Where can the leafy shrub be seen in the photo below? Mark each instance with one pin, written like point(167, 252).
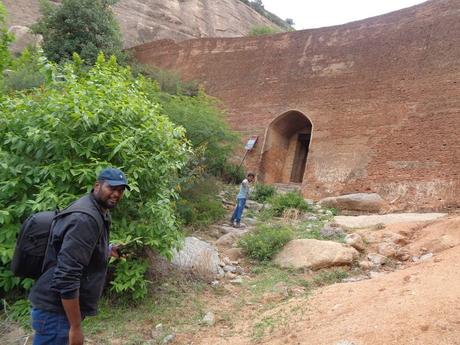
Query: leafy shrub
point(232, 173)
point(199, 204)
point(262, 192)
point(55, 139)
point(282, 202)
point(28, 71)
point(129, 279)
point(205, 128)
point(265, 242)
point(169, 81)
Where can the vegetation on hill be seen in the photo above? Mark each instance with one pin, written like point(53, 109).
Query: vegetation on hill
point(86, 27)
point(258, 6)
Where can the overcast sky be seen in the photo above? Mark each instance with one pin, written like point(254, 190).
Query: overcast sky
point(318, 13)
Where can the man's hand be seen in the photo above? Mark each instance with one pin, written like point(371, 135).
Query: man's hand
point(114, 250)
point(76, 336)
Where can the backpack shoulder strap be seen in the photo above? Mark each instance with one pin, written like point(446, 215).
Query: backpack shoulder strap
point(92, 213)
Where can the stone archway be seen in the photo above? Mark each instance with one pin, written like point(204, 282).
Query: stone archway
point(285, 150)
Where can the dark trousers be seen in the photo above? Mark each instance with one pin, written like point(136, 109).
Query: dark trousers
point(236, 217)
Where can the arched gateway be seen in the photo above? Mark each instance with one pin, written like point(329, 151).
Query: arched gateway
point(285, 150)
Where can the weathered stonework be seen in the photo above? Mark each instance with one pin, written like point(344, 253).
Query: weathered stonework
point(382, 95)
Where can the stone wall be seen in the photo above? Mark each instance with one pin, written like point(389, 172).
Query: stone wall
point(382, 94)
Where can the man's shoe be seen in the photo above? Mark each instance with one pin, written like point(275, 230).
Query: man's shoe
point(236, 225)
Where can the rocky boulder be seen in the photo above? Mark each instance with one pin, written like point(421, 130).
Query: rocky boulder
point(315, 254)
point(23, 38)
point(362, 202)
point(199, 258)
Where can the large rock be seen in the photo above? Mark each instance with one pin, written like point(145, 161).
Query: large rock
point(142, 21)
point(23, 38)
point(362, 202)
point(199, 258)
point(315, 254)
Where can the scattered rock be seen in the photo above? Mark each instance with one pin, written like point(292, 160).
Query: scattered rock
point(230, 275)
point(332, 230)
point(230, 268)
point(157, 331)
point(402, 254)
point(377, 259)
point(356, 202)
point(209, 319)
point(388, 249)
point(233, 254)
point(355, 240)
point(426, 257)
point(312, 218)
point(366, 264)
point(315, 254)
point(199, 258)
point(237, 281)
point(169, 338)
point(227, 240)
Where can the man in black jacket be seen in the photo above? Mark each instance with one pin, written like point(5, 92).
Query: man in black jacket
point(76, 264)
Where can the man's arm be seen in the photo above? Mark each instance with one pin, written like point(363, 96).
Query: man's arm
point(72, 310)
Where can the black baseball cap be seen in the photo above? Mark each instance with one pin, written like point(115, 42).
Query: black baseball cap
point(114, 177)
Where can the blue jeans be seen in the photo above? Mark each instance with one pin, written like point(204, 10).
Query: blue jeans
point(50, 328)
point(236, 217)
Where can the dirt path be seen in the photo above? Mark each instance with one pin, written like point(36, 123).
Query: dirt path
point(417, 305)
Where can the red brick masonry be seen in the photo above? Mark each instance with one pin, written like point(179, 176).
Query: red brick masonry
point(382, 96)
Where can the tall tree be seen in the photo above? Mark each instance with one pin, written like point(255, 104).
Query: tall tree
point(86, 27)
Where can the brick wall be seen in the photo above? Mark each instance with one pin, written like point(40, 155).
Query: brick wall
point(382, 94)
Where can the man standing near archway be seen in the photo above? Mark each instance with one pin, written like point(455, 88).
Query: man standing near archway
point(241, 200)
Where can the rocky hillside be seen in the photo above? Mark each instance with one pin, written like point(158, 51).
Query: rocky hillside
point(143, 21)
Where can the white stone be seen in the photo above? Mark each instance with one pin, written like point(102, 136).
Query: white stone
point(198, 257)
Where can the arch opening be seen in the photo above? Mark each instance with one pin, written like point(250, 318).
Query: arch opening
point(286, 147)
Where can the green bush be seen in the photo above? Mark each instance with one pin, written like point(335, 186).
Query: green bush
point(55, 139)
point(265, 242)
point(28, 71)
point(232, 173)
point(169, 81)
point(262, 192)
point(205, 127)
point(199, 204)
point(282, 202)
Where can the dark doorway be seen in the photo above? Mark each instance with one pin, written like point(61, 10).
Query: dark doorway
point(285, 150)
point(300, 158)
